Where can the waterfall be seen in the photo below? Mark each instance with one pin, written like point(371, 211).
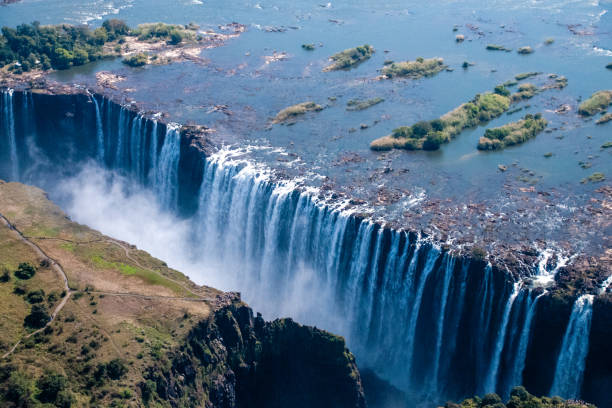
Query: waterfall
point(406, 307)
point(167, 167)
point(574, 349)
point(490, 382)
point(10, 131)
point(448, 271)
point(516, 375)
point(99, 130)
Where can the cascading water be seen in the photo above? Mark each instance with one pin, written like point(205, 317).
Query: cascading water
point(9, 123)
point(571, 363)
point(516, 373)
point(490, 381)
point(409, 309)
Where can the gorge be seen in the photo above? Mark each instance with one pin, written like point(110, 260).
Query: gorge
point(437, 322)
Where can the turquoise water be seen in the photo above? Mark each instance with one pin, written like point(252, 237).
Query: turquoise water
point(237, 75)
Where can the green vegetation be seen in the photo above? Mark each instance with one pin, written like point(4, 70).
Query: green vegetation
point(604, 119)
point(430, 135)
point(497, 47)
point(594, 178)
point(414, 69)
point(289, 115)
point(525, 50)
point(512, 133)
point(25, 271)
point(32, 46)
point(350, 57)
point(598, 102)
point(172, 33)
point(606, 145)
point(519, 398)
point(38, 317)
point(136, 60)
point(609, 66)
point(308, 47)
point(526, 75)
point(359, 105)
point(525, 91)
point(549, 41)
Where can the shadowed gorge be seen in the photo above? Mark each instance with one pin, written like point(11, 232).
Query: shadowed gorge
point(432, 321)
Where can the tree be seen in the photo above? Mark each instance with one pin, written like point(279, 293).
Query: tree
point(5, 276)
point(50, 385)
point(25, 271)
point(62, 58)
point(19, 389)
point(38, 317)
point(115, 369)
point(81, 56)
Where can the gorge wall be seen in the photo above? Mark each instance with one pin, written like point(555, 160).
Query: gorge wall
point(438, 325)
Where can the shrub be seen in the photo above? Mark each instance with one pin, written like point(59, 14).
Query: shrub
point(5, 276)
point(136, 60)
point(35, 296)
point(490, 399)
point(25, 271)
point(308, 47)
point(502, 90)
point(115, 369)
point(175, 38)
point(421, 129)
point(38, 317)
point(609, 66)
point(19, 390)
point(50, 385)
point(479, 254)
point(525, 50)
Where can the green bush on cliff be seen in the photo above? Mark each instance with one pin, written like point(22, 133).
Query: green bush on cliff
point(519, 398)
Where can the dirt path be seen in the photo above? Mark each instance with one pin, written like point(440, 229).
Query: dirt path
point(60, 271)
point(58, 268)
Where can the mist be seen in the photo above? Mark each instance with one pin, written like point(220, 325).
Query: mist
point(121, 208)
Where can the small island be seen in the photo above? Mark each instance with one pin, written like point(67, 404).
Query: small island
point(512, 133)
point(430, 135)
point(349, 58)
point(598, 102)
point(290, 114)
point(414, 69)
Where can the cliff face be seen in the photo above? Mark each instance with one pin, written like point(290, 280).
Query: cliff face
point(236, 360)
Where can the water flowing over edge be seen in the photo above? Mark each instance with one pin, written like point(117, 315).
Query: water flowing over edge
point(374, 285)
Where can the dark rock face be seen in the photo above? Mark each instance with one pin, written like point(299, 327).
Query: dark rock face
point(237, 360)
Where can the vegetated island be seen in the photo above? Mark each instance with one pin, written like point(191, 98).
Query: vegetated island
point(604, 119)
point(429, 135)
point(598, 102)
point(290, 114)
point(513, 133)
point(362, 104)
point(497, 47)
point(349, 58)
point(525, 75)
point(34, 47)
point(525, 50)
point(519, 398)
point(92, 321)
point(419, 68)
